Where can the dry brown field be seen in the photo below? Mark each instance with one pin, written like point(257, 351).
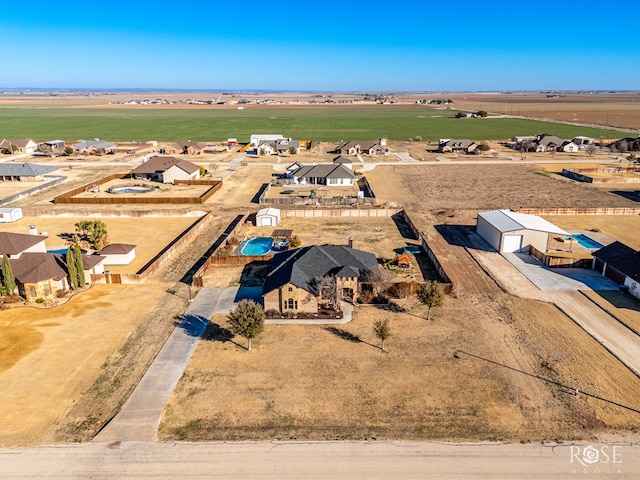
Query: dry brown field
point(619, 110)
point(483, 187)
point(322, 383)
point(241, 187)
point(159, 191)
point(150, 235)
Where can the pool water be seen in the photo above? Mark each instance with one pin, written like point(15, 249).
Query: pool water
point(61, 251)
point(257, 246)
point(586, 242)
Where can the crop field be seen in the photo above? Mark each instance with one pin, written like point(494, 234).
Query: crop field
point(315, 123)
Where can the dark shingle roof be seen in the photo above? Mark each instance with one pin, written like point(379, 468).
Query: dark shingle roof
point(162, 164)
point(34, 267)
point(24, 169)
point(117, 249)
point(303, 265)
point(15, 243)
point(324, 171)
point(622, 258)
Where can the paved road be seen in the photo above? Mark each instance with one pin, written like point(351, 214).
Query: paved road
point(140, 416)
point(320, 460)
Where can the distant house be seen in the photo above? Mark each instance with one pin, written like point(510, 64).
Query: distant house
point(24, 172)
point(266, 148)
point(52, 147)
point(333, 174)
point(15, 244)
point(277, 147)
point(457, 145)
point(257, 138)
point(346, 162)
point(118, 254)
point(368, 147)
point(40, 275)
point(570, 147)
point(582, 140)
point(548, 143)
point(293, 282)
point(10, 214)
point(510, 232)
point(627, 144)
point(621, 264)
point(166, 170)
point(184, 148)
point(19, 146)
point(94, 147)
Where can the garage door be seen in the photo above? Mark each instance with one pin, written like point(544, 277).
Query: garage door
point(265, 222)
point(511, 243)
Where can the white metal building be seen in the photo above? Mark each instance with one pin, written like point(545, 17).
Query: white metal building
point(508, 231)
point(268, 217)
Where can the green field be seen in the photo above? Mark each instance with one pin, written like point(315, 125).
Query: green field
point(314, 123)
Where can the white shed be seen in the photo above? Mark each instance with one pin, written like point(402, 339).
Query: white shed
point(268, 217)
point(509, 232)
point(118, 254)
point(8, 215)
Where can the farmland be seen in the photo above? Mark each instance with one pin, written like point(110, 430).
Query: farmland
point(319, 123)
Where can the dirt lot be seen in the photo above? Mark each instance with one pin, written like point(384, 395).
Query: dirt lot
point(417, 390)
point(157, 190)
point(240, 188)
point(482, 187)
point(150, 235)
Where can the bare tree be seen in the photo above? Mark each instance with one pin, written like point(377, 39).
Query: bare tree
point(382, 331)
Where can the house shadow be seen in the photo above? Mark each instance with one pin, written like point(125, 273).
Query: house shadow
point(403, 227)
point(463, 236)
point(633, 195)
point(249, 293)
point(620, 300)
point(254, 274)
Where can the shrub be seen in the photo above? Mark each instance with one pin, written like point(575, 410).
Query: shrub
point(40, 300)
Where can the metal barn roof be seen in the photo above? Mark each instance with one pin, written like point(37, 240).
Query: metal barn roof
point(508, 221)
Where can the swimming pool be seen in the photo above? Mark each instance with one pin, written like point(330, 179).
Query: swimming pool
point(586, 242)
point(61, 251)
point(257, 246)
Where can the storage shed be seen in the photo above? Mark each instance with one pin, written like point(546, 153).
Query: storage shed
point(118, 254)
point(8, 215)
point(268, 217)
point(509, 232)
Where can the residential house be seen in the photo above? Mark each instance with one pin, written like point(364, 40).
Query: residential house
point(548, 143)
point(94, 147)
point(184, 148)
point(324, 174)
point(19, 146)
point(15, 244)
point(621, 264)
point(40, 275)
point(258, 138)
point(627, 144)
point(368, 147)
point(294, 282)
point(118, 254)
point(570, 147)
point(277, 147)
point(456, 145)
point(24, 172)
point(582, 140)
point(52, 147)
point(166, 170)
point(92, 265)
point(344, 161)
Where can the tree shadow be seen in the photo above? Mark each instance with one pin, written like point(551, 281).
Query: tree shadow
point(217, 333)
point(348, 336)
point(193, 325)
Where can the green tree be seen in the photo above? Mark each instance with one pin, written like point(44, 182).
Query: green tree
point(247, 320)
point(483, 147)
point(8, 280)
point(79, 264)
point(482, 113)
point(202, 170)
point(293, 151)
point(71, 269)
point(94, 230)
point(382, 331)
point(68, 150)
point(431, 295)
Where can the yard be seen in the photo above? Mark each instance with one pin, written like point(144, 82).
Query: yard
point(334, 383)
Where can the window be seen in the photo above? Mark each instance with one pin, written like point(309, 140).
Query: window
point(333, 181)
point(47, 289)
point(291, 289)
point(291, 304)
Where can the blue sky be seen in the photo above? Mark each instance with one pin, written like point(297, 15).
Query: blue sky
point(321, 46)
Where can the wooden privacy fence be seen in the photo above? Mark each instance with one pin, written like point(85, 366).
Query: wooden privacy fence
point(580, 211)
point(356, 212)
point(70, 196)
point(560, 262)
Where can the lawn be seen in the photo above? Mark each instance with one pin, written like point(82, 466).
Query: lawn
point(315, 123)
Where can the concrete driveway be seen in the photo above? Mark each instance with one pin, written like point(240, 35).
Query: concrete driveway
point(140, 416)
point(558, 278)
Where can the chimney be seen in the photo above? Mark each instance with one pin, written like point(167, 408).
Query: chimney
point(350, 242)
point(33, 230)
